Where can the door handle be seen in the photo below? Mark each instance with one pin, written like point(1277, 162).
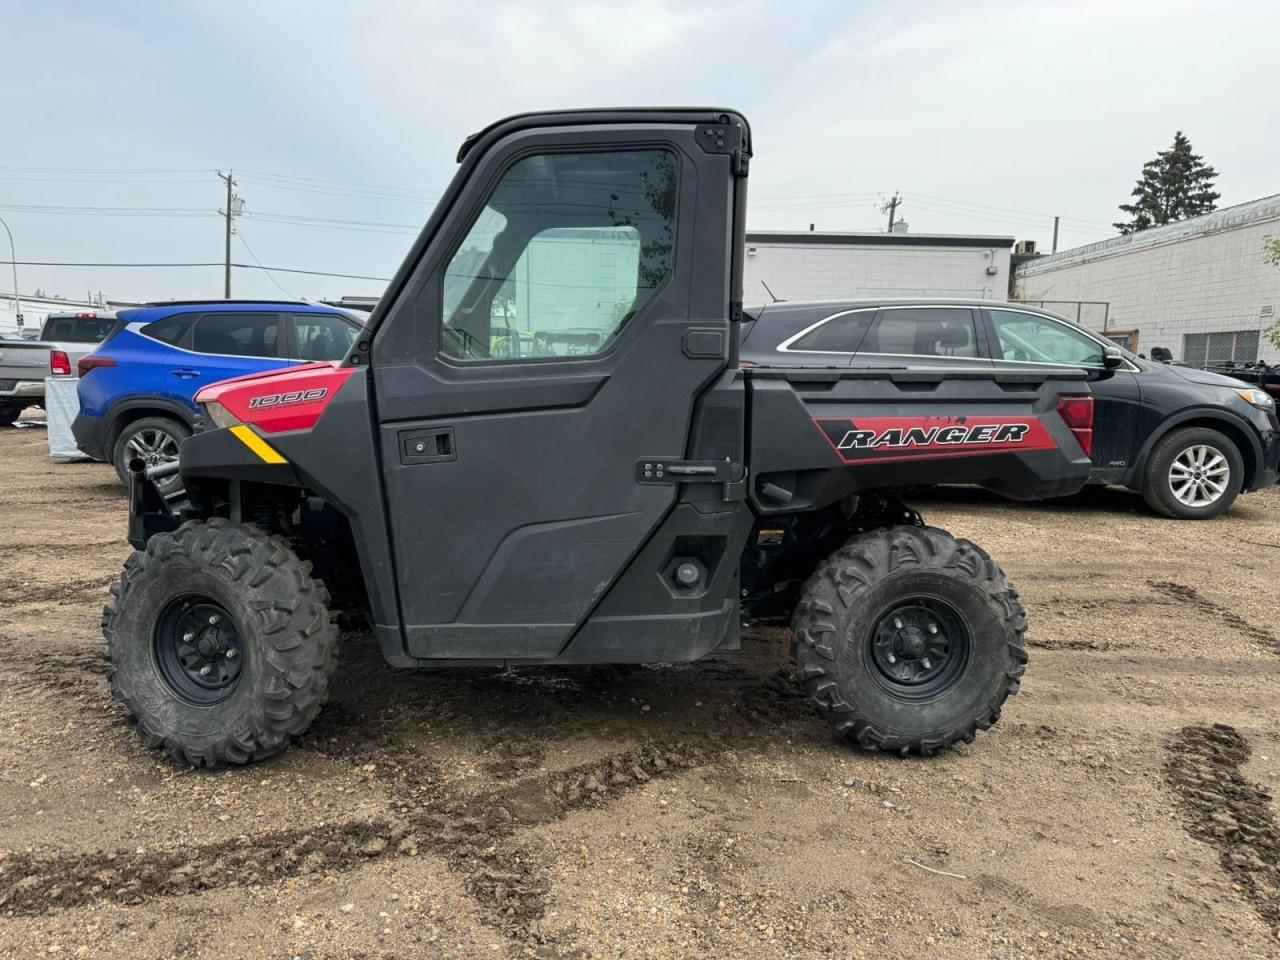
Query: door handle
point(186, 373)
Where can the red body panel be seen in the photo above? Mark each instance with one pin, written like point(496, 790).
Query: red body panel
point(280, 400)
point(881, 439)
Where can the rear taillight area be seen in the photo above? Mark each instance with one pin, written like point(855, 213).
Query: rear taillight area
point(92, 361)
point(1077, 414)
point(59, 364)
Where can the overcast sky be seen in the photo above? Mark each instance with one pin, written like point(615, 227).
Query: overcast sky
point(987, 117)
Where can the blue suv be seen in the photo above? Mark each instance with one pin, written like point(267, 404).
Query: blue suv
point(136, 389)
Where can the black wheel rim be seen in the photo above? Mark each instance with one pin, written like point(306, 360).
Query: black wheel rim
point(198, 649)
point(919, 648)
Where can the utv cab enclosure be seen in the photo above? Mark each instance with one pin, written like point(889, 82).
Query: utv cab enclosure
point(543, 450)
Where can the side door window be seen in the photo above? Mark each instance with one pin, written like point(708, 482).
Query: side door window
point(322, 336)
point(935, 332)
point(1028, 338)
point(568, 249)
point(238, 334)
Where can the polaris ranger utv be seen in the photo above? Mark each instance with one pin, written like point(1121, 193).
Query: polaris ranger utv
point(544, 450)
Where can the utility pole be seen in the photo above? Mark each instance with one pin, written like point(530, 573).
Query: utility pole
point(235, 206)
point(1055, 235)
point(891, 207)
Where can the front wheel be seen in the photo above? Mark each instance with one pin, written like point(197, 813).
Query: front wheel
point(908, 639)
point(1193, 474)
point(219, 643)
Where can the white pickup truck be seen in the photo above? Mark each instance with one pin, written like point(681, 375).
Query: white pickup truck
point(64, 339)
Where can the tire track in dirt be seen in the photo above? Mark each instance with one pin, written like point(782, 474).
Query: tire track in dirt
point(1222, 808)
point(1216, 611)
point(14, 592)
point(474, 833)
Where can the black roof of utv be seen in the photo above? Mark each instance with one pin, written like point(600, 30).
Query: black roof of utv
point(560, 118)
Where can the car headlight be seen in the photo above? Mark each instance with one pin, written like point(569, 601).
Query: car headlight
point(1257, 398)
point(219, 415)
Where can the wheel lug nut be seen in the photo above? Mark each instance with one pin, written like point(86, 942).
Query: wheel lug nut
point(897, 624)
point(206, 670)
point(232, 653)
point(926, 664)
point(188, 637)
point(892, 658)
point(213, 618)
point(933, 628)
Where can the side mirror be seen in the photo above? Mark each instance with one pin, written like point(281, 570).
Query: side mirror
point(1112, 358)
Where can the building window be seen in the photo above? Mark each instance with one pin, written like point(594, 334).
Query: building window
point(1203, 349)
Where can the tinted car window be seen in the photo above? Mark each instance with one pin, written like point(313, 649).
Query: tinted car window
point(170, 330)
point(1033, 339)
point(77, 329)
point(322, 336)
point(923, 332)
point(237, 334)
point(840, 334)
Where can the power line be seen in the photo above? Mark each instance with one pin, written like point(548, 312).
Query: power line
point(270, 275)
point(209, 263)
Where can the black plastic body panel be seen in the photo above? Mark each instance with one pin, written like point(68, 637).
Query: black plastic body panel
point(789, 451)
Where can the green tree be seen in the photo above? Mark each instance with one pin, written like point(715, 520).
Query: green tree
point(1175, 185)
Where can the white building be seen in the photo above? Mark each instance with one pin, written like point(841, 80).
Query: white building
point(842, 266)
point(1200, 287)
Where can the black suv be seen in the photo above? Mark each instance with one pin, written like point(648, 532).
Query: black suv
point(1189, 440)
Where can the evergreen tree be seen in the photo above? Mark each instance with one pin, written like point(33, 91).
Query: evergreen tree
point(1175, 185)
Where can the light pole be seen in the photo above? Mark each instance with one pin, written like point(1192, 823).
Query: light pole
point(13, 261)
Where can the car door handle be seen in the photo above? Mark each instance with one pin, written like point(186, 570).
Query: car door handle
point(186, 373)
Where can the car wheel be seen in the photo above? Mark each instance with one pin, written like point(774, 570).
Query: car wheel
point(154, 440)
point(8, 414)
point(1193, 474)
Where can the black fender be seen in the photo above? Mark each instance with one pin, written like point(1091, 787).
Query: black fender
point(1234, 426)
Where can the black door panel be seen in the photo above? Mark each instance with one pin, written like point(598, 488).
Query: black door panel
point(562, 362)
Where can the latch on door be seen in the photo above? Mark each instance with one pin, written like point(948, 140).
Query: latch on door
point(427, 446)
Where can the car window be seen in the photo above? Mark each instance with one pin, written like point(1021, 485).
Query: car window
point(77, 329)
point(1032, 339)
point(923, 332)
point(839, 334)
point(322, 336)
point(170, 330)
point(237, 334)
point(568, 249)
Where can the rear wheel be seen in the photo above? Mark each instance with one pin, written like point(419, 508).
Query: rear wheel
point(1193, 474)
point(219, 643)
point(908, 639)
point(153, 440)
point(8, 414)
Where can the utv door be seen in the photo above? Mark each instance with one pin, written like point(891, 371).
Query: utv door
point(564, 310)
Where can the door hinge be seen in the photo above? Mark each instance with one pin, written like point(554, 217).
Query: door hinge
point(725, 138)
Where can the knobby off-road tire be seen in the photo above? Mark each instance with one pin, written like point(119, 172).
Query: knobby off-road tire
point(908, 639)
point(186, 603)
point(1202, 459)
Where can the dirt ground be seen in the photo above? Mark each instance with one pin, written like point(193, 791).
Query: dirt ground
point(1122, 807)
